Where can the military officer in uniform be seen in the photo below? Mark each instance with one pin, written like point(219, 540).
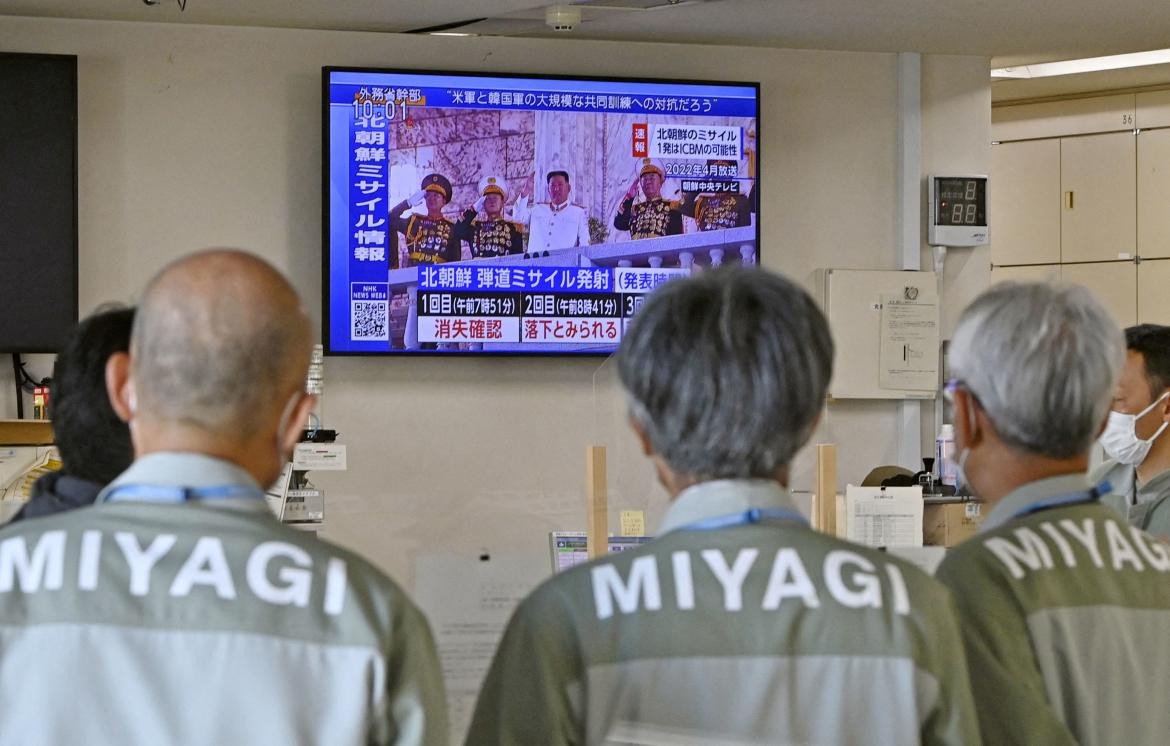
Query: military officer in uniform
point(491, 235)
point(739, 623)
point(653, 217)
point(714, 211)
point(430, 238)
point(556, 224)
point(1065, 609)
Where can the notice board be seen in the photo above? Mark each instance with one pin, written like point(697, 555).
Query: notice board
point(885, 327)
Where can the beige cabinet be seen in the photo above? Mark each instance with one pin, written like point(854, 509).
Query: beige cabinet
point(1098, 182)
point(1153, 292)
point(1034, 273)
point(1153, 193)
point(1115, 284)
point(1024, 205)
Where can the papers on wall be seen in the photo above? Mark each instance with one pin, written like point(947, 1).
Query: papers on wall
point(633, 522)
point(468, 601)
point(884, 516)
point(908, 351)
point(21, 466)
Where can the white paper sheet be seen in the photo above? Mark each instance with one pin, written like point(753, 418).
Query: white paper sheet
point(908, 353)
point(884, 516)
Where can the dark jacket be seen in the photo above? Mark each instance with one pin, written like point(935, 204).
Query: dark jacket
point(55, 493)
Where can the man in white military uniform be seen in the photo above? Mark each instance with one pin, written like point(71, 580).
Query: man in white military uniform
point(556, 224)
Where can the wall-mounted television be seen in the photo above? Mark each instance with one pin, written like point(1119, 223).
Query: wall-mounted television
point(470, 213)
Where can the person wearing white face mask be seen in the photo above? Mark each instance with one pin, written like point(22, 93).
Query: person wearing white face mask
point(1064, 608)
point(1135, 437)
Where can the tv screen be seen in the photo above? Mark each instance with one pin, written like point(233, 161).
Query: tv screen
point(38, 201)
point(468, 213)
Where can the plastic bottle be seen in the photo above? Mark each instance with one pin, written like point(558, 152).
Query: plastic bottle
point(944, 452)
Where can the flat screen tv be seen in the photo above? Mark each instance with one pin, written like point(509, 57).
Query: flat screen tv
point(38, 201)
point(471, 214)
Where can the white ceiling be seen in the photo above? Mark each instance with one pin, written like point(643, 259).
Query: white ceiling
point(1011, 31)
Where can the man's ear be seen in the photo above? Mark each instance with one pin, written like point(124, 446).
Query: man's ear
point(968, 430)
point(296, 422)
point(643, 438)
point(120, 386)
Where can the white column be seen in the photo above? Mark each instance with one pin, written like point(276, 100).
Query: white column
point(909, 225)
point(716, 257)
point(747, 255)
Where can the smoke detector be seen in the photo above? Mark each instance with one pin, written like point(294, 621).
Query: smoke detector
point(562, 17)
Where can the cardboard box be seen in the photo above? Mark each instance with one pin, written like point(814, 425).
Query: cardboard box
point(947, 524)
point(26, 433)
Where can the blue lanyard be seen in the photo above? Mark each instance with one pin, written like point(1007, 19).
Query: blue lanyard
point(1061, 501)
point(753, 515)
point(159, 493)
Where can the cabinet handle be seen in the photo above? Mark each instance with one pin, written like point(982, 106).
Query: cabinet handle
point(1068, 200)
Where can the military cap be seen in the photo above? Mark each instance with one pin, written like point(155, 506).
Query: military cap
point(649, 166)
point(492, 185)
point(437, 183)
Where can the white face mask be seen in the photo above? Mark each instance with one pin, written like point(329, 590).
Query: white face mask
point(1120, 438)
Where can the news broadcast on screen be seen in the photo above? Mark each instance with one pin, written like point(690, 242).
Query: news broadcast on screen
point(492, 214)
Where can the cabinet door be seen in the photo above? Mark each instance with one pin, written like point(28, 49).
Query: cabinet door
point(1024, 202)
point(1153, 193)
point(1098, 214)
point(1035, 273)
point(1114, 284)
point(1154, 292)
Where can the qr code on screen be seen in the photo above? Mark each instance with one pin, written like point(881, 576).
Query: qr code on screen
point(369, 320)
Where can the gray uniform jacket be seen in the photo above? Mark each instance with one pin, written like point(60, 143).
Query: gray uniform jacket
point(1145, 505)
point(760, 632)
point(1125, 490)
point(139, 621)
point(1065, 611)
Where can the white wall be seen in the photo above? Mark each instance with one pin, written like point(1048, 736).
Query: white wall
point(195, 136)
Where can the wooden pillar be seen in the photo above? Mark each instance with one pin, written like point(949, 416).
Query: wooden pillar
point(596, 501)
point(826, 507)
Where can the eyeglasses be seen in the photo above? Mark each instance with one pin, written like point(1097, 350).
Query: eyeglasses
point(954, 384)
point(950, 387)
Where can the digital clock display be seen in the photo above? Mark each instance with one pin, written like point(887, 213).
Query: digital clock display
point(961, 201)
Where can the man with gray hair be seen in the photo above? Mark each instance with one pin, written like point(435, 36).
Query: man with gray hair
point(178, 611)
point(1065, 608)
point(738, 624)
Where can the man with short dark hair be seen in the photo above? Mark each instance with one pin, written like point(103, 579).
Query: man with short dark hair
point(178, 610)
point(556, 224)
point(1134, 439)
point(93, 442)
point(1065, 609)
point(738, 624)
